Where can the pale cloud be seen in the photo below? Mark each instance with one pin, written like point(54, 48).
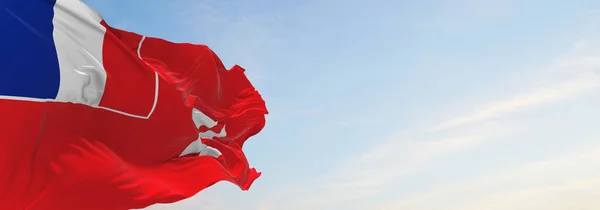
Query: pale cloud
point(568, 77)
point(556, 92)
point(372, 172)
point(569, 182)
point(204, 200)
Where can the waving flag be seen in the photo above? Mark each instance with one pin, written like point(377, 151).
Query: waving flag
point(94, 117)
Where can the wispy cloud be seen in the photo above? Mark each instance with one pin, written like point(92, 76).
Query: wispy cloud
point(204, 200)
point(556, 92)
point(373, 171)
point(370, 173)
point(569, 182)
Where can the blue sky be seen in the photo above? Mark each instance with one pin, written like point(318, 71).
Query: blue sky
point(412, 105)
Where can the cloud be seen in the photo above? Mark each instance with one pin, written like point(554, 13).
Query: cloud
point(568, 77)
point(556, 92)
point(375, 170)
point(370, 173)
point(202, 201)
point(569, 182)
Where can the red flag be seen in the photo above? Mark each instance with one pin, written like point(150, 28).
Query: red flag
point(125, 131)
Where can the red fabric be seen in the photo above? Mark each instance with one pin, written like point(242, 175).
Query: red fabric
point(71, 156)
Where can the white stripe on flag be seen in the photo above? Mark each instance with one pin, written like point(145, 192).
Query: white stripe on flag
point(78, 37)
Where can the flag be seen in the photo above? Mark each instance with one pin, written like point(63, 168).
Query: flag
point(94, 117)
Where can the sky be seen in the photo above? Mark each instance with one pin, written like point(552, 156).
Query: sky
point(403, 105)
